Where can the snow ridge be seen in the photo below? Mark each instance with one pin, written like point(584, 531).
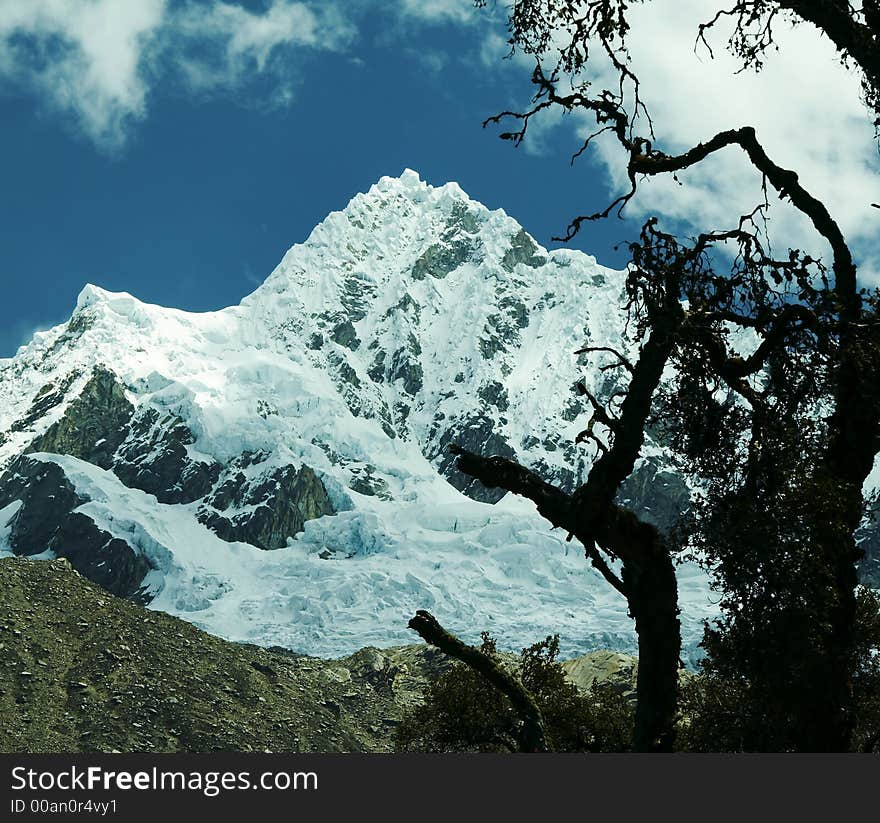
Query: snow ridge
point(413, 317)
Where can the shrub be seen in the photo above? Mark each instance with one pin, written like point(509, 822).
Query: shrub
point(462, 712)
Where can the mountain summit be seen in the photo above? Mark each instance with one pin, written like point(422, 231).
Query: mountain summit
point(278, 471)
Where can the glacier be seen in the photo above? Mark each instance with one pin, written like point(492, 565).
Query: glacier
point(412, 318)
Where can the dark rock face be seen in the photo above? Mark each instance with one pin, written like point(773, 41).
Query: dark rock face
point(145, 450)
point(403, 365)
point(98, 556)
point(522, 250)
point(476, 435)
point(46, 399)
point(442, 258)
point(501, 331)
point(46, 497)
point(344, 334)
point(406, 368)
point(516, 310)
point(46, 520)
point(656, 495)
point(94, 424)
point(154, 459)
point(364, 481)
point(265, 511)
point(461, 219)
point(495, 395)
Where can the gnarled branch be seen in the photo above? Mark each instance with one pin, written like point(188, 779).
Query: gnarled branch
point(785, 182)
point(553, 503)
point(532, 737)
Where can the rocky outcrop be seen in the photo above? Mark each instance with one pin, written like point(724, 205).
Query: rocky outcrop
point(604, 668)
point(154, 458)
point(265, 510)
point(93, 425)
point(45, 519)
point(145, 449)
point(523, 251)
point(364, 480)
point(47, 398)
point(440, 259)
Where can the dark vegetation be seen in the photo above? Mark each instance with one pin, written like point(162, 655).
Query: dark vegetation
point(790, 665)
point(463, 711)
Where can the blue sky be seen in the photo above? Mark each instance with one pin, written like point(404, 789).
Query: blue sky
point(176, 148)
point(204, 195)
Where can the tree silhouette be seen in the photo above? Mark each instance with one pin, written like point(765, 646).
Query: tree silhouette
point(750, 423)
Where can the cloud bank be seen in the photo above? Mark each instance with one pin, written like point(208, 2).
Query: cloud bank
point(95, 61)
point(805, 106)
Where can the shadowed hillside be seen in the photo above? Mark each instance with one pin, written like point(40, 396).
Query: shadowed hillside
point(82, 670)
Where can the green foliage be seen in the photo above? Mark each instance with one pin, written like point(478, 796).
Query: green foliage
point(774, 524)
point(462, 712)
point(731, 711)
point(866, 679)
point(770, 656)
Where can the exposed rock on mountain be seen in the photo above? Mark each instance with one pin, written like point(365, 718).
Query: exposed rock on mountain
point(40, 506)
point(267, 509)
point(93, 425)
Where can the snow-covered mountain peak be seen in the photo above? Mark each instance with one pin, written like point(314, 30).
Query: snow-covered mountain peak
point(410, 186)
point(415, 311)
point(392, 224)
point(315, 418)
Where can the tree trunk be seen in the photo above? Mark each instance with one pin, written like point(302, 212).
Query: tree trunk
point(849, 460)
point(653, 600)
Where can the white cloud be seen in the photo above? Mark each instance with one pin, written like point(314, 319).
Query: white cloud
point(95, 60)
point(493, 49)
point(82, 57)
point(440, 11)
point(805, 107)
point(243, 43)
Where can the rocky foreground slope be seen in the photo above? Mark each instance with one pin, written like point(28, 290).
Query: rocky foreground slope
point(82, 670)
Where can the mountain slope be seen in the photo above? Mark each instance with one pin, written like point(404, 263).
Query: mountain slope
point(278, 471)
point(84, 671)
